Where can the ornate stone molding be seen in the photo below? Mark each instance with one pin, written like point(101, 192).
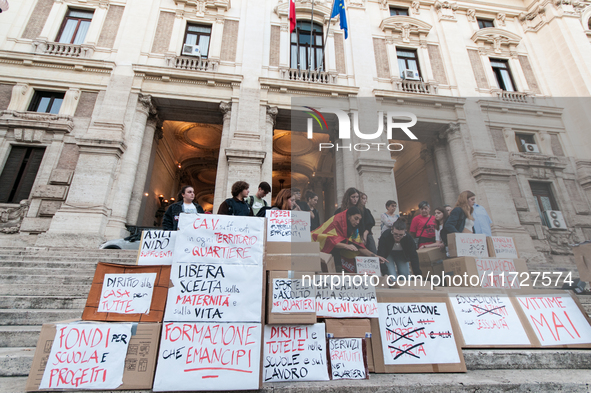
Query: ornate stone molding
point(11, 218)
point(245, 156)
point(446, 10)
point(533, 20)
point(271, 112)
point(146, 103)
point(496, 40)
point(406, 28)
point(360, 4)
point(22, 122)
point(501, 19)
point(226, 109)
point(540, 163)
point(415, 7)
point(304, 10)
point(471, 15)
point(560, 240)
point(451, 132)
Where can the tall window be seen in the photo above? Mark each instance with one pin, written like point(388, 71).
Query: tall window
point(306, 46)
point(503, 74)
point(544, 198)
point(19, 173)
point(408, 60)
point(398, 11)
point(46, 102)
point(199, 35)
point(75, 27)
point(484, 23)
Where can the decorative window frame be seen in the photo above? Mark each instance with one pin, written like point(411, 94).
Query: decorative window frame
point(406, 30)
point(493, 41)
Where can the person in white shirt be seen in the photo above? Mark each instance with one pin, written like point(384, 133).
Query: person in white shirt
point(389, 217)
point(186, 204)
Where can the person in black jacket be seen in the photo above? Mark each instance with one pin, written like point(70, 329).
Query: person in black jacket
point(367, 223)
point(237, 205)
point(186, 204)
point(460, 219)
point(399, 248)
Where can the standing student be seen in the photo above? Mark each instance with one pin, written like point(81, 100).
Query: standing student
point(237, 206)
point(460, 220)
point(256, 201)
point(186, 204)
point(350, 199)
point(422, 227)
point(400, 251)
point(440, 215)
point(312, 201)
point(367, 223)
point(297, 195)
point(389, 217)
point(481, 220)
point(283, 200)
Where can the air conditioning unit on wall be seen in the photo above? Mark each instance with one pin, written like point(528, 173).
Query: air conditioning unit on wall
point(412, 75)
point(530, 148)
point(555, 219)
point(191, 50)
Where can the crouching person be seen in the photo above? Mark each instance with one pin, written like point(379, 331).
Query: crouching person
point(399, 248)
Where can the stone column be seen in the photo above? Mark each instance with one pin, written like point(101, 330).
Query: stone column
point(460, 162)
point(446, 183)
point(125, 182)
point(434, 189)
point(221, 191)
point(267, 168)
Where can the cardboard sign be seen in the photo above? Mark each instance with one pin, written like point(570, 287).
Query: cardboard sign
point(556, 319)
point(417, 333)
point(215, 293)
point(369, 265)
point(209, 238)
point(488, 320)
point(295, 353)
point(498, 273)
point(467, 245)
point(350, 298)
point(288, 226)
point(348, 358)
point(127, 293)
point(501, 247)
point(290, 296)
point(208, 356)
point(87, 356)
point(156, 247)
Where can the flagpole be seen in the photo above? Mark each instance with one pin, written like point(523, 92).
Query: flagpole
point(311, 34)
point(327, 31)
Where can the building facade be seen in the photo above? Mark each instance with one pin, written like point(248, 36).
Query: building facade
point(107, 107)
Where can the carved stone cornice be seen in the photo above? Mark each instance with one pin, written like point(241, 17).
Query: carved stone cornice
point(364, 165)
point(534, 19)
point(36, 121)
point(407, 26)
point(245, 156)
point(496, 39)
point(304, 10)
point(537, 160)
point(446, 10)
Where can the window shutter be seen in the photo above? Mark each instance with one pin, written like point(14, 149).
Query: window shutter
point(10, 171)
point(28, 177)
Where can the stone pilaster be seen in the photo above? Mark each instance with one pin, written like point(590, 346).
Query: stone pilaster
point(460, 162)
point(221, 189)
point(446, 177)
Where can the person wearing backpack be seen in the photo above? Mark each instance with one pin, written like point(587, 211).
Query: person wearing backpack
point(237, 205)
point(257, 203)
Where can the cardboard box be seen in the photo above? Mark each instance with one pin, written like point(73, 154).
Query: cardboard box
point(299, 257)
point(583, 260)
point(353, 328)
point(301, 318)
point(482, 266)
point(327, 263)
point(501, 247)
point(429, 255)
point(467, 245)
point(140, 361)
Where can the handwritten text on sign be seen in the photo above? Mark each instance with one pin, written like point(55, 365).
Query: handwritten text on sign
point(216, 293)
point(87, 356)
point(556, 319)
point(290, 296)
point(295, 353)
point(468, 245)
point(224, 356)
point(288, 226)
point(346, 358)
point(504, 247)
point(369, 265)
point(125, 293)
point(345, 300)
point(487, 319)
point(417, 333)
point(497, 273)
point(156, 247)
point(219, 239)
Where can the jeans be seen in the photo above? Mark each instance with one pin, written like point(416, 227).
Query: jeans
point(398, 264)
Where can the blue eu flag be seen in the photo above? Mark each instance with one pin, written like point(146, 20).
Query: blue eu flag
point(338, 8)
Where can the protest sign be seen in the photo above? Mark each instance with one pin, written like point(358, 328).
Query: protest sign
point(156, 247)
point(556, 319)
point(467, 245)
point(369, 265)
point(216, 293)
point(348, 359)
point(498, 273)
point(127, 293)
point(350, 297)
point(288, 226)
point(87, 356)
point(488, 319)
point(208, 356)
point(210, 238)
point(291, 296)
point(501, 247)
point(295, 353)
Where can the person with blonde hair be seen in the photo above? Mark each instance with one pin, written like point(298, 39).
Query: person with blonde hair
point(460, 219)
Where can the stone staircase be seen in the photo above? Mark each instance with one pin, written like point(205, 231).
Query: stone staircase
point(40, 285)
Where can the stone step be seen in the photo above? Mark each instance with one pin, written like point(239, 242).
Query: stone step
point(36, 317)
point(19, 336)
point(76, 290)
point(43, 258)
point(43, 280)
point(49, 265)
point(42, 302)
point(40, 270)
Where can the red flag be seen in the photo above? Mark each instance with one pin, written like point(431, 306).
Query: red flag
point(292, 16)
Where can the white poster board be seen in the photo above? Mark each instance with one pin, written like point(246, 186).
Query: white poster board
point(156, 247)
point(556, 319)
point(208, 356)
point(288, 226)
point(87, 356)
point(488, 319)
point(211, 238)
point(127, 293)
point(417, 333)
point(504, 247)
point(471, 245)
point(498, 273)
point(347, 358)
point(214, 293)
point(369, 265)
point(295, 353)
point(351, 298)
point(291, 296)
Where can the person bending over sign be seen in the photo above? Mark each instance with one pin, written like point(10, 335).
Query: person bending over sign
point(399, 248)
point(185, 204)
point(340, 237)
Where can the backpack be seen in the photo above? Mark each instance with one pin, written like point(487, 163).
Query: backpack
point(263, 209)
